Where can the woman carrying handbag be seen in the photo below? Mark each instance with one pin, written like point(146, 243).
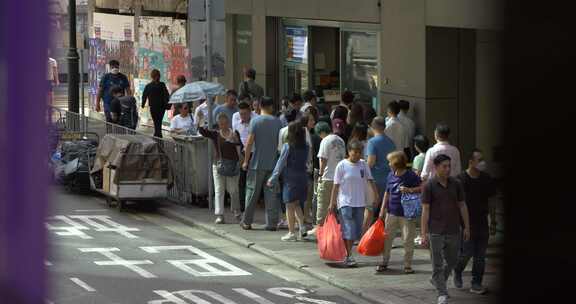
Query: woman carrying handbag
point(226, 168)
point(398, 212)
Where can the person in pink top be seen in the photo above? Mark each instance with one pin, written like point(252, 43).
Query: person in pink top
point(442, 146)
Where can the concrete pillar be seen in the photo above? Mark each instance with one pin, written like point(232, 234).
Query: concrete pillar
point(259, 41)
point(403, 55)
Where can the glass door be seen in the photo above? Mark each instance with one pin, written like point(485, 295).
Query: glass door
point(359, 64)
point(295, 74)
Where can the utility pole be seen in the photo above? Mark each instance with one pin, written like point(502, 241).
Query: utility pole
point(73, 58)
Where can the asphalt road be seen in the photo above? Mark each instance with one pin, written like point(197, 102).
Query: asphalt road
point(99, 255)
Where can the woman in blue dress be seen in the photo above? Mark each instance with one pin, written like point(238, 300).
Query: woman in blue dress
point(292, 166)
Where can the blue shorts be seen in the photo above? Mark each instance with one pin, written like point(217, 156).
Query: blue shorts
point(351, 222)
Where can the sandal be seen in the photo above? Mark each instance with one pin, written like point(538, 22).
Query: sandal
point(381, 268)
point(408, 270)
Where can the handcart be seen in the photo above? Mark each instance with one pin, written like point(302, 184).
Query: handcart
point(130, 168)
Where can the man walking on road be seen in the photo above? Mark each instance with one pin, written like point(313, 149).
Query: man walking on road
point(442, 146)
point(332, 150)
point(378, 149)
point(262, 147)
point(443, 206)
point(478, 188)
point(241, 124)
point(114, 78)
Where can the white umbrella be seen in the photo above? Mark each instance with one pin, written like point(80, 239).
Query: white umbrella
point(197, 90)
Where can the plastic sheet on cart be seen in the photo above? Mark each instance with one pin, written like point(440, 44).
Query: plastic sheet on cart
point(134, 157)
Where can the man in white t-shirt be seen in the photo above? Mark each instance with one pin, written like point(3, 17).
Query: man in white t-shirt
point(332, 150)
point(395, 130)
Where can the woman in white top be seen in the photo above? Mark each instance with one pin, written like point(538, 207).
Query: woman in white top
point(182, 122)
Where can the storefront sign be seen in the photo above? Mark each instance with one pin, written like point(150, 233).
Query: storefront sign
point(296, 44)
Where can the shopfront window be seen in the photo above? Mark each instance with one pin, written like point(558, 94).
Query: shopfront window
point(360, 64)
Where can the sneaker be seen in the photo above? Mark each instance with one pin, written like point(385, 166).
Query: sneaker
point(270, 228)
point(283, 224)
point(289, 237)
point(478, 289)
point(303, 233)
point(442, 299)
point(457, 279)
point(350, 262)
point(434, 284)
point(219, 220)
point(246, 226)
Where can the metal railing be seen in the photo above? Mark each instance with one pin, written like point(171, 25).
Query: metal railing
point(187, 188)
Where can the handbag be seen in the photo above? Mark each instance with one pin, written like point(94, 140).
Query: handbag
point(412, 205)
point(226, 167)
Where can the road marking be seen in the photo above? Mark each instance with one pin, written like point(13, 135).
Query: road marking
point(176, 297)
point(115, 260)
point(294, 293)
point(206, 263)
point(103, 223)
point(82, 284)
point(256, 298)
point(90, 210)
point(74, 228)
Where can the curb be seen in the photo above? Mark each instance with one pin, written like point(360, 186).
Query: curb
point(304, 268)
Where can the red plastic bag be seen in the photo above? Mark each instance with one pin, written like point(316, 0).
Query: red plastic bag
point(330, 243)
point(372, 243)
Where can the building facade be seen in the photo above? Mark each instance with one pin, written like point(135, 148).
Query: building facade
point(441, 55)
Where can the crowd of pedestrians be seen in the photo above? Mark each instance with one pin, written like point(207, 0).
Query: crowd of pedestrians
point(306, 160)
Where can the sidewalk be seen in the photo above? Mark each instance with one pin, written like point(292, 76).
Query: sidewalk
point(394, 287)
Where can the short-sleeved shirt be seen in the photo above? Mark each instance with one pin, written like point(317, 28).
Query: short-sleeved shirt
point(418, 163)
point(242, 128)
point(107, 82)
point(478, 191)
point(333, 149)
point(179, 122)
point(410, 180)
point(224, 109)
point(380, 146)
point(352, 179)
point(441, 148)
point(265, 129)
point(444, 205)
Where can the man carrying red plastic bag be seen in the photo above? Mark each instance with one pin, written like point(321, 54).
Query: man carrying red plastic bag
point(351, 179)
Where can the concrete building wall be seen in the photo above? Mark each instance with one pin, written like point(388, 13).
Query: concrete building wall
point(339, 10)
point(489, 124)
point(403, 55)
point(472, 14)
